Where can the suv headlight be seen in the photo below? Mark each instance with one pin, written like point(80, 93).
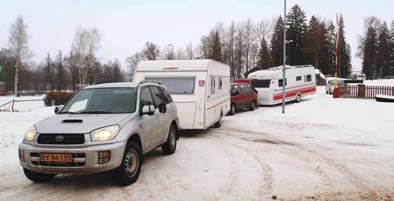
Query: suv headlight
point(104, 134)
point(30, 134)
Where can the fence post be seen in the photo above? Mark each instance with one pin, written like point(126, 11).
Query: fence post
point(12, 106)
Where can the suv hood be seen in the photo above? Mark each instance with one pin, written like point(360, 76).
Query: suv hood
point(78, 123)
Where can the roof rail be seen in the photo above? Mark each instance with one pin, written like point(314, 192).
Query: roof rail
point(149, 81)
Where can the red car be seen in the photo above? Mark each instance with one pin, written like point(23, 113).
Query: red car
point(243, 95)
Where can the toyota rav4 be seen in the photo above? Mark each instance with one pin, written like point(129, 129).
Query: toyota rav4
point(102, 128)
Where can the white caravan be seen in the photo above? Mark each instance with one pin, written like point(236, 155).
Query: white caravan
point(199, 88)
point(301, 81)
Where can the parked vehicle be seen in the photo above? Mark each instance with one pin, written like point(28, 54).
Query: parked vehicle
point(300, 82)
point(357, 76)
point(200, 88)
point(243, 96)
point(330, 84)
point(101, 128)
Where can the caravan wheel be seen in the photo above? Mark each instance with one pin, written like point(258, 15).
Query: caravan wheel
point(218, 124)
point(298, 99)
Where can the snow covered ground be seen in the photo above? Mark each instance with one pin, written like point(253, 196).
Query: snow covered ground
point(322, 148)
point(380, 82)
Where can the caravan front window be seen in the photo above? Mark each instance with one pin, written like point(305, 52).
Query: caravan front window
point(176, 85)
point(261, 83)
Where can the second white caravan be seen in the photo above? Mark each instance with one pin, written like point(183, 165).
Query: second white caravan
point(300, 82)
point(199, 88)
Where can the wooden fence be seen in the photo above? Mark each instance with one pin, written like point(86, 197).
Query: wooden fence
point(364, 92)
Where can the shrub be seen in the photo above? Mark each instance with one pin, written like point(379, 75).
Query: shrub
point(59, 98)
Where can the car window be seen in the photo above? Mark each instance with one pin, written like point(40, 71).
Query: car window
point(157, 96)
point(145, 97)
point(102, 100)
point(166, 96)
point(235, 90)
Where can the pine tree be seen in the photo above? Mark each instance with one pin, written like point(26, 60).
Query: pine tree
point(277, 44)
point(216, 48)
point(327, 59)
point(296, 35)
point(345, 67)
point(369, 53)
point(314, 42)
point(383, 52)
point(264, 61)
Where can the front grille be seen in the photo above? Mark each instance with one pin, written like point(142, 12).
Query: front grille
point(35, 160)
point(61, 139)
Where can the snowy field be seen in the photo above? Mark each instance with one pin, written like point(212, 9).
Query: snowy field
point(321, 149)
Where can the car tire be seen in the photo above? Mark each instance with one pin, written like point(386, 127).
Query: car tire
point(298, 98)
point(218, 124)
point(37, 176)
point(170, 146)
point(232, 109)
point(130, 167)
point(252, 105)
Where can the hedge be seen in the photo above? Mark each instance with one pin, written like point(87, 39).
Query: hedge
point(59, 98)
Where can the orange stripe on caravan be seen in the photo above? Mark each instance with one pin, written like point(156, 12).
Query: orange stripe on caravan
point(218, 104)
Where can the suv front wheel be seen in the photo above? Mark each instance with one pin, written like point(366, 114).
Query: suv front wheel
point(130, 168)
point(170, 146)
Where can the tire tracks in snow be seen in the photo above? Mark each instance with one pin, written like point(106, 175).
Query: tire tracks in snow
point(315, 158)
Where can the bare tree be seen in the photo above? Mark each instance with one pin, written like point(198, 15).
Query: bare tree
point(132, 62)
point(189, 51)
point(249, 38)
point(85, 46)
point(151, 51)
point(18, 44)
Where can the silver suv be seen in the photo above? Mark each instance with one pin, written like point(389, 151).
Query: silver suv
point(104, 127)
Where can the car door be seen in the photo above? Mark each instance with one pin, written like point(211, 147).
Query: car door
point(236, 96)
point(148, 123)
point(164, 117)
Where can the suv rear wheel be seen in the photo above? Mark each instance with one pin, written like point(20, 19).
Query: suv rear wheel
point(130, 168)
point(170, 146)
point(37, 176)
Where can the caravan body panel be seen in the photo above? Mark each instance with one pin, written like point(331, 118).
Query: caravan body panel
point(301, 81)
point(189, 83)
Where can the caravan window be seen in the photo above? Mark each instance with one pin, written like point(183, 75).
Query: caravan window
point(220, 83)
point(280, 82)
point(213, 85)
point(176, 85)
point(261, 83)
point(309, 78)
point(298, 78)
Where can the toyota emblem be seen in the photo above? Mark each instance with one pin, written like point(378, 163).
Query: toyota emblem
point(59, 138)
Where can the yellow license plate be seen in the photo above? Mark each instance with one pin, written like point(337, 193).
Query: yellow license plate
point(56, 158)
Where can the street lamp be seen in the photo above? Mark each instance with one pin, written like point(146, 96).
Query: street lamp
point(284, 60)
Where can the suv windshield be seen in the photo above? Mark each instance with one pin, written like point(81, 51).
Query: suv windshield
point(102, 101)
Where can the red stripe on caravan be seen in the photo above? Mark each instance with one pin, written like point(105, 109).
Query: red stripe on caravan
point(294, 93)
point(218, 104)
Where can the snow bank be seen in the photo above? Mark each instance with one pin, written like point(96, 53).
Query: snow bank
point(380, 82)
point(23, 103)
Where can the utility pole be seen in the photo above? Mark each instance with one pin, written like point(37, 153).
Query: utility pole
point(284, 61)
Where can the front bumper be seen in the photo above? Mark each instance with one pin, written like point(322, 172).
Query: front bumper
point(87, 156)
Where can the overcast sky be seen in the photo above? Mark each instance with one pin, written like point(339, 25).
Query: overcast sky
point(126, 25)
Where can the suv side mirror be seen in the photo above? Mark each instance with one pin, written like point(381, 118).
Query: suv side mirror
point(148, 109)
point(162, 108)
point(58, 109)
